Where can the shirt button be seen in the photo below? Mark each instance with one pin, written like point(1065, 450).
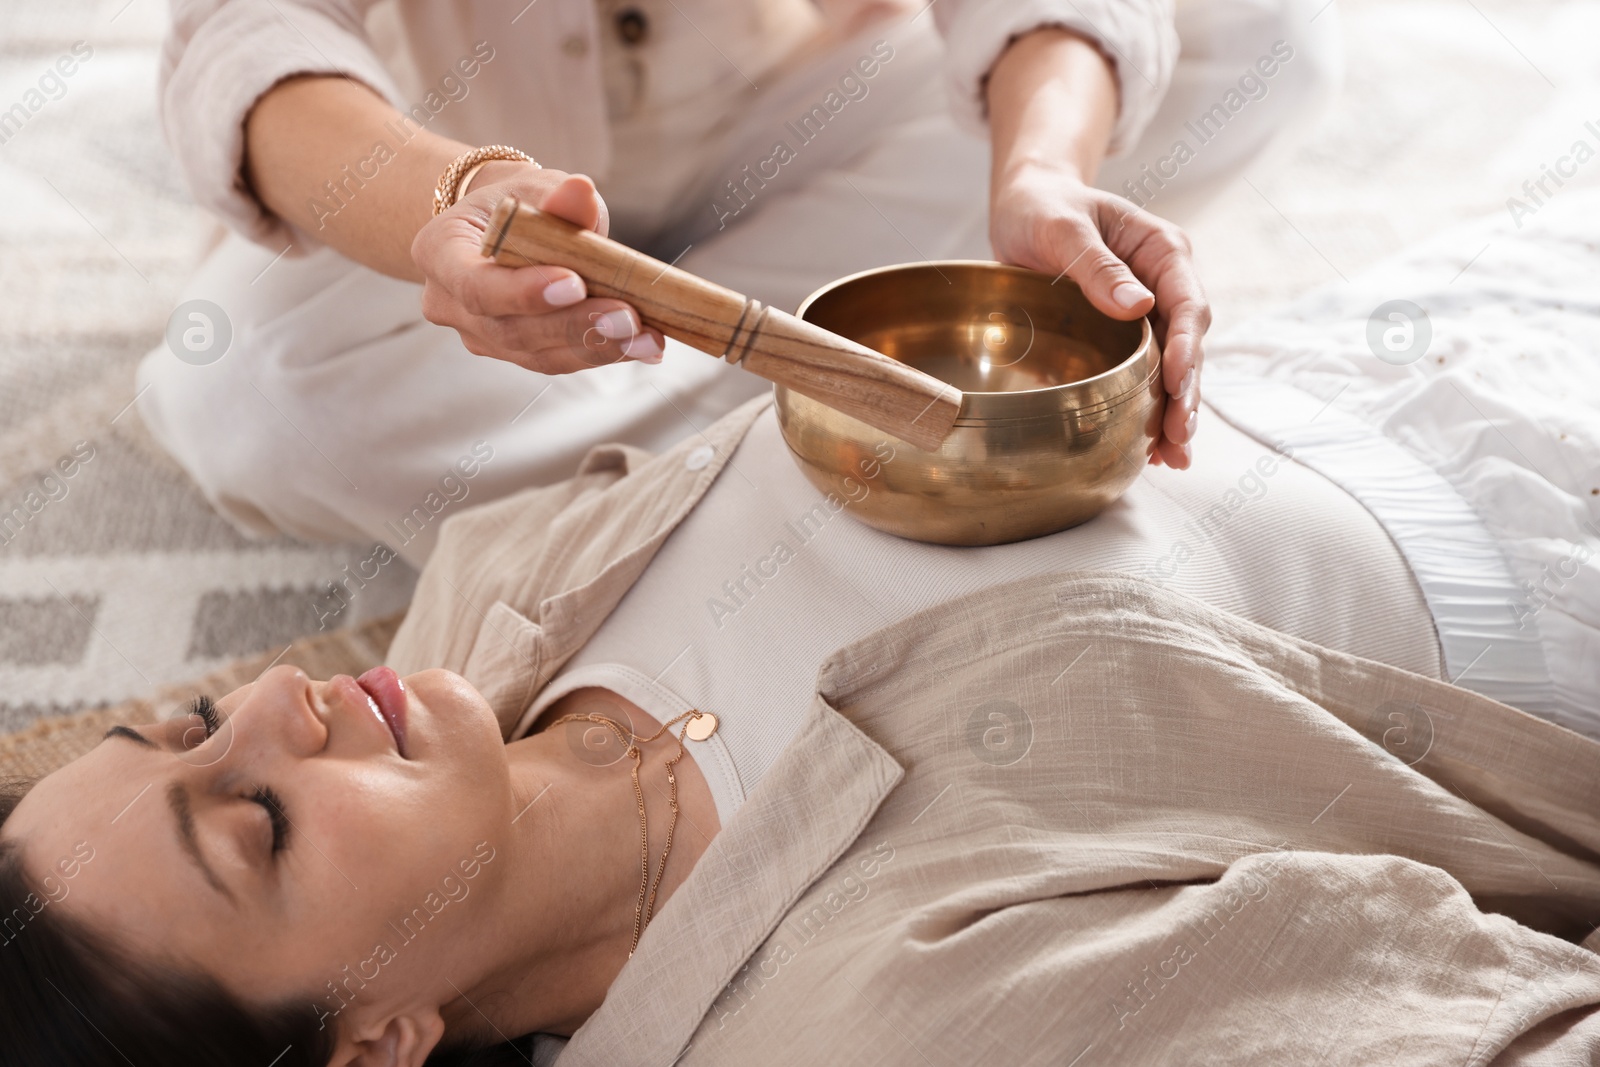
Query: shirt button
point(575, 46)
point(632, 26)
point(697, 459)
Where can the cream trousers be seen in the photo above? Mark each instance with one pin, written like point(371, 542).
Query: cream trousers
point(338, 413)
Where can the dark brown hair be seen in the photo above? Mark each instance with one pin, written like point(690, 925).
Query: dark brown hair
point(68, 998)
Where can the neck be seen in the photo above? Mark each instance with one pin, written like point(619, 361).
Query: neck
point(567, 918)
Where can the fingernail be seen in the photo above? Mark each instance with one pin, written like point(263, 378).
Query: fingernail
point(1188, 424)
point(1186, 386)
point(642, 348)
point(559, 294)
point(617, 325)
point(1129, 294)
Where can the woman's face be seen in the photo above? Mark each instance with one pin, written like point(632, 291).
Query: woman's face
point(377, 844)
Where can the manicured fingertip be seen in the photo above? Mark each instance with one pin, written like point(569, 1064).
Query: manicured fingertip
point(643, 348)
point(565, 292)
point(617, 325)
point(1129, 295)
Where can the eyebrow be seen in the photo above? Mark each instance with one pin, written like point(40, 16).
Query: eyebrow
point(131, 735)
point(178, 800)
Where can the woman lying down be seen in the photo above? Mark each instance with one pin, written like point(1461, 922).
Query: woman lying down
point(680, 762)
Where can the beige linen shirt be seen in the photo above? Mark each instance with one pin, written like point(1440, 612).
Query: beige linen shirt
point(1208, 842)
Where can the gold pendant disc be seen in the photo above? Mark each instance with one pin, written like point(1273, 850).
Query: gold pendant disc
point(699, 729)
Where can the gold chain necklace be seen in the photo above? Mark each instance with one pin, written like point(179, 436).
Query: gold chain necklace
point(703, 724)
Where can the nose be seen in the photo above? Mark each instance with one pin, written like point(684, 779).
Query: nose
point(277, 717)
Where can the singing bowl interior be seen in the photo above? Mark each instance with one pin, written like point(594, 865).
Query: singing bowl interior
point(1062, 404)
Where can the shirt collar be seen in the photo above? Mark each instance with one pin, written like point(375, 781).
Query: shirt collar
point(592, 554)
point(809, 808)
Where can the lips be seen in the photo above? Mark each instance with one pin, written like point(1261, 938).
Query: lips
point(387, 692)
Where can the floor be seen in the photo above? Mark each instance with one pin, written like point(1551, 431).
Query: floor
point(122, 579)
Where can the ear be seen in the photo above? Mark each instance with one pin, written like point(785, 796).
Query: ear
point(403, 1040)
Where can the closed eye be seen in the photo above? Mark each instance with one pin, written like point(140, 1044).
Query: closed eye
point(270, 801)
point(201, 707)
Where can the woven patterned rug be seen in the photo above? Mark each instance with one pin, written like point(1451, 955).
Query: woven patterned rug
point(121, 592)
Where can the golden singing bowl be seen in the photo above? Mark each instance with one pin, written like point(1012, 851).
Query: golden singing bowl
point(1061, 411)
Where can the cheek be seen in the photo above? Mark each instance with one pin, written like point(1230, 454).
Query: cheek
point(385, 837)
point(383, 847)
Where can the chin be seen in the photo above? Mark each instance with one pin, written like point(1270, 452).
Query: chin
point(451, 721)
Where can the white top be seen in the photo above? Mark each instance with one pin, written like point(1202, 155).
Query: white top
point(762, 580)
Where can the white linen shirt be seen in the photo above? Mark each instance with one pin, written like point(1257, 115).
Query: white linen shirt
point(543, 89)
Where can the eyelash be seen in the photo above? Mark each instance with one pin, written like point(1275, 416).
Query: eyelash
point(205, 709)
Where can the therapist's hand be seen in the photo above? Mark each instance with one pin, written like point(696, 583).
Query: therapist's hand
point(1053, 101)
point(306, 128)
point(1127, 261)
point(536, 317)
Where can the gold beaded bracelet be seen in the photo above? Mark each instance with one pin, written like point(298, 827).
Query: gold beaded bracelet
point(453, 182)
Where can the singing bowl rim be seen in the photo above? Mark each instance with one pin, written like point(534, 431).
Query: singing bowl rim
point(1045, 401)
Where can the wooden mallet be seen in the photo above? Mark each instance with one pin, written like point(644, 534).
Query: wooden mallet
point(868, 385)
